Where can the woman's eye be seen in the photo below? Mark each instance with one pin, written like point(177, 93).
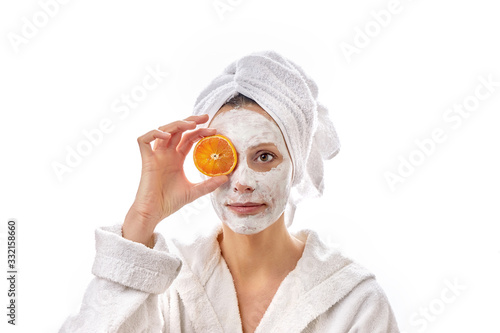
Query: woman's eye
point(266, 157)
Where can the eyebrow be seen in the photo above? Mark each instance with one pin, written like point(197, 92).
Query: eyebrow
point(270, 146)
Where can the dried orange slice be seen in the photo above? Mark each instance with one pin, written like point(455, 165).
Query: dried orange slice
point(215, 156)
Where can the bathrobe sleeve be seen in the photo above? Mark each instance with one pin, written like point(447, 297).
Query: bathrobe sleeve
point(129, 276)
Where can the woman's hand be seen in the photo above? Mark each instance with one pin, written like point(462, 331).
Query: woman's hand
point(164, 188)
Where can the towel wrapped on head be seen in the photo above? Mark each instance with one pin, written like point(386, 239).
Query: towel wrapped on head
point(289, 96)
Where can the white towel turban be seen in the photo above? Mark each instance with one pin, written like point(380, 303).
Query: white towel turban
point(289, 96)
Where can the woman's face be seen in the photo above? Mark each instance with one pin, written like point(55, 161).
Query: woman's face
point(257, 191)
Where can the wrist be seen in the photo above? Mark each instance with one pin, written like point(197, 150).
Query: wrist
point(138, 229)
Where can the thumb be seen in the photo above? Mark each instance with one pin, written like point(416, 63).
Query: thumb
point(207, 186)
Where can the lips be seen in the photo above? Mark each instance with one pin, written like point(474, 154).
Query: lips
point(246, 207)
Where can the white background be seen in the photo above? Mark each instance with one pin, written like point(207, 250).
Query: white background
point(439, 225)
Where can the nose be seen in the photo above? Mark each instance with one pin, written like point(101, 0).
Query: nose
point(243, 188)
point(243, 179)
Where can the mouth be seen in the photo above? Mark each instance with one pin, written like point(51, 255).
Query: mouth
point(246, 208)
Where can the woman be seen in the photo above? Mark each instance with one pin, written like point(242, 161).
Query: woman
point(249, 274)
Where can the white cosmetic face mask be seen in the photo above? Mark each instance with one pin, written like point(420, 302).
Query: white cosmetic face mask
point(247, 129)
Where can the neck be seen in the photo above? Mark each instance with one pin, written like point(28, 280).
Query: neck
point(271, 253)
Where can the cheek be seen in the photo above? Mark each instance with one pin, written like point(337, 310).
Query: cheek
point(276, 183)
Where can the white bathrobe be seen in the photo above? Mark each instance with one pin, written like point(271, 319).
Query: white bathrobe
point(187, 287)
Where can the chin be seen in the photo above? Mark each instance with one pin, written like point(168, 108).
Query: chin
point(249, 224)
point(244, 230)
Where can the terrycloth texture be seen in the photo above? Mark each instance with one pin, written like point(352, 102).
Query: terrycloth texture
point(109, 262)
point(289, 95)
point(326, 292)
point(129, 277)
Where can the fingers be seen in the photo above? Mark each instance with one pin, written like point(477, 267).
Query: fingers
point(190, 138)
point(178, 127)
point(198, 119)
point(162, 144)
point(168, 135)
point(145, 141)
point(208, 186)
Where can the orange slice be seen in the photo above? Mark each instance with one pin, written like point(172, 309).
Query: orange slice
point(215, 156)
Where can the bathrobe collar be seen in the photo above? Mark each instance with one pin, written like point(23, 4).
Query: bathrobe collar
point(321, 278)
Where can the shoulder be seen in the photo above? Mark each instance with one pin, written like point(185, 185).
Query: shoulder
point(370, 308)
point(357, 284)
point(368, 293)
point(342, 294)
